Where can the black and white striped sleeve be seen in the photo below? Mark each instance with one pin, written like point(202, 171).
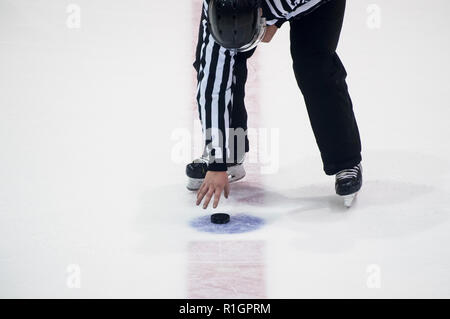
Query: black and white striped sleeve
point(214, 65)
point(272, 15)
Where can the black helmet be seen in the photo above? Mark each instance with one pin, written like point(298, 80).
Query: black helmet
point(236, 24)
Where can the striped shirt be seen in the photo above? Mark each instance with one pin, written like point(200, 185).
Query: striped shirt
point(279, 11)
point(215, 78)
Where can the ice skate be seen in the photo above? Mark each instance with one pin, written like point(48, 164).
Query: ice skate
point(348, 184)
point(196, 172)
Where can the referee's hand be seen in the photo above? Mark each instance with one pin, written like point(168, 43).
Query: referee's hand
point(270, 32)
point(214, 184)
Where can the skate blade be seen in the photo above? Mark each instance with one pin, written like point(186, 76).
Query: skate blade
point(349, 200)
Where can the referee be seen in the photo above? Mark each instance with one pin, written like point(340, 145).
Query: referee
point(229, 32)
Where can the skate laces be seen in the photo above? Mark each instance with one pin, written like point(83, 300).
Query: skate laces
point(349, 173)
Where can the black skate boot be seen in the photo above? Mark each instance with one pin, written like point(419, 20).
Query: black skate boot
point(196, 172)
point(348, 184)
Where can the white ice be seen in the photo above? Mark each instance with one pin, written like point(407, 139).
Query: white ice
point(92, 187)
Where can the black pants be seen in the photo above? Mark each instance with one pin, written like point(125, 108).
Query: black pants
point(321, 78)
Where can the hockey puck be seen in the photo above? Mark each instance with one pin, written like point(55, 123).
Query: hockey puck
point(220, 218)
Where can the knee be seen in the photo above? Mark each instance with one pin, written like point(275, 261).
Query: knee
point(318, 70)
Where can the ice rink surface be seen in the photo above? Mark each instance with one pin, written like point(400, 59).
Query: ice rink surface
point(94, 123)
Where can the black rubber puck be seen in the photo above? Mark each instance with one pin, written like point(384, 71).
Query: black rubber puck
point(220, 218)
